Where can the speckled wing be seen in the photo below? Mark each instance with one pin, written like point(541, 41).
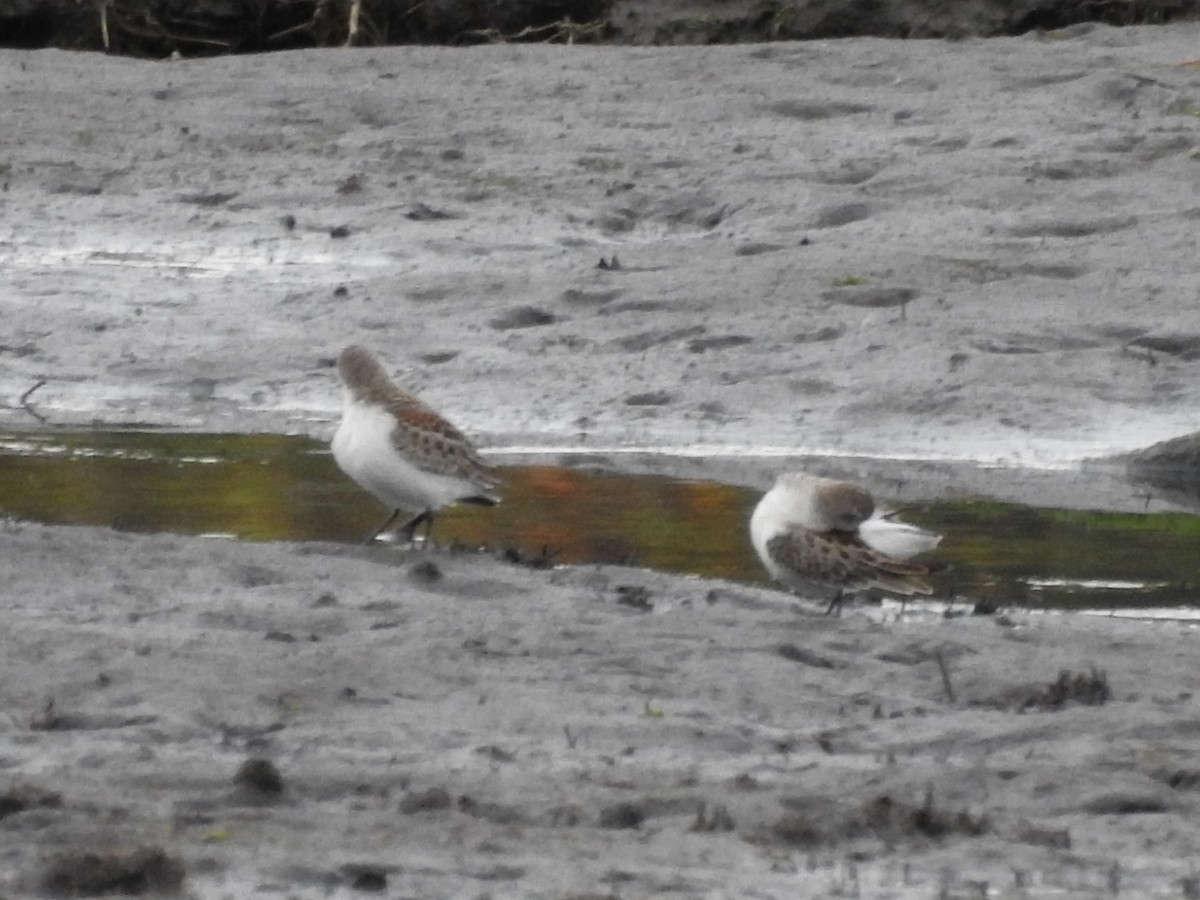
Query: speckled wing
point(841, 559)
point(431, 443)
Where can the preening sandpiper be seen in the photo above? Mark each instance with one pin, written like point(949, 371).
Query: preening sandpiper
point(400, 450)
point(825, 537)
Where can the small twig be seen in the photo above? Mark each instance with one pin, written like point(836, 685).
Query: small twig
point(165, 36)
point(945, 670)
point(562, 29)
point(288, 32)
point(104, 24)
point(352, 27)
point(25, 405)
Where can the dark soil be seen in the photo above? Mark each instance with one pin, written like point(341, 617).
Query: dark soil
point(160, 28)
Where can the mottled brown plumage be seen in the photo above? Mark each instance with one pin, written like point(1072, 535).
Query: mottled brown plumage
point(401, 450)
point(424, 437)
point(842, 559)
point(824, 537)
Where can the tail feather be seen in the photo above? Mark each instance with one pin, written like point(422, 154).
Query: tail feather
point(480, 500)
point(899, 576)
point(901, 584)
point(895, 538)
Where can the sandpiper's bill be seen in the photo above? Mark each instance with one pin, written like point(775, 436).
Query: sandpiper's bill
point(400, 450)
point(825, 537)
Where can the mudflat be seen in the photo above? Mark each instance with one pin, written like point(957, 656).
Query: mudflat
point(959, 251)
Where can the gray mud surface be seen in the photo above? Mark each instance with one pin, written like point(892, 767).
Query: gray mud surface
point(507, 732)
point(979, 251)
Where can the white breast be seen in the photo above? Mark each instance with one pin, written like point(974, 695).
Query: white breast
point(362, 448)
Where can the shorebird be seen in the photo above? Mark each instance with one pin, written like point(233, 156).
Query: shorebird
point(400, 450)
point(825, 537)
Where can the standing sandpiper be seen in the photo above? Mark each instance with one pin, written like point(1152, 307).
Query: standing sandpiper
point(400, 450)
point(823, 536)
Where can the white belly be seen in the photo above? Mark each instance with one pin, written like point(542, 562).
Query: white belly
point(362, 448)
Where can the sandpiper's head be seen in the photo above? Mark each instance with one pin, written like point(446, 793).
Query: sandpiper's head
point(822, 503)
point(359, 368)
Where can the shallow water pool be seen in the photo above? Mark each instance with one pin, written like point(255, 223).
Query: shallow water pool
point(273, 487)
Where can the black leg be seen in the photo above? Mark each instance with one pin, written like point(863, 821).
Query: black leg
point(835, 604)
point(410, 527)
point(384, 527)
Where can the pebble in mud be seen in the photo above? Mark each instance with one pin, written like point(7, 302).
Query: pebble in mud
point(431, 800)
point(622, 815)
point(19, 798)
point(365, 876)
point(635, 596)
point(259, 779)
point(425, 572)
point(87, 873)
point(522, 317)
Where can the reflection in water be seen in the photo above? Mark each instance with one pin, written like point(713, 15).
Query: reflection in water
point(270, 487)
